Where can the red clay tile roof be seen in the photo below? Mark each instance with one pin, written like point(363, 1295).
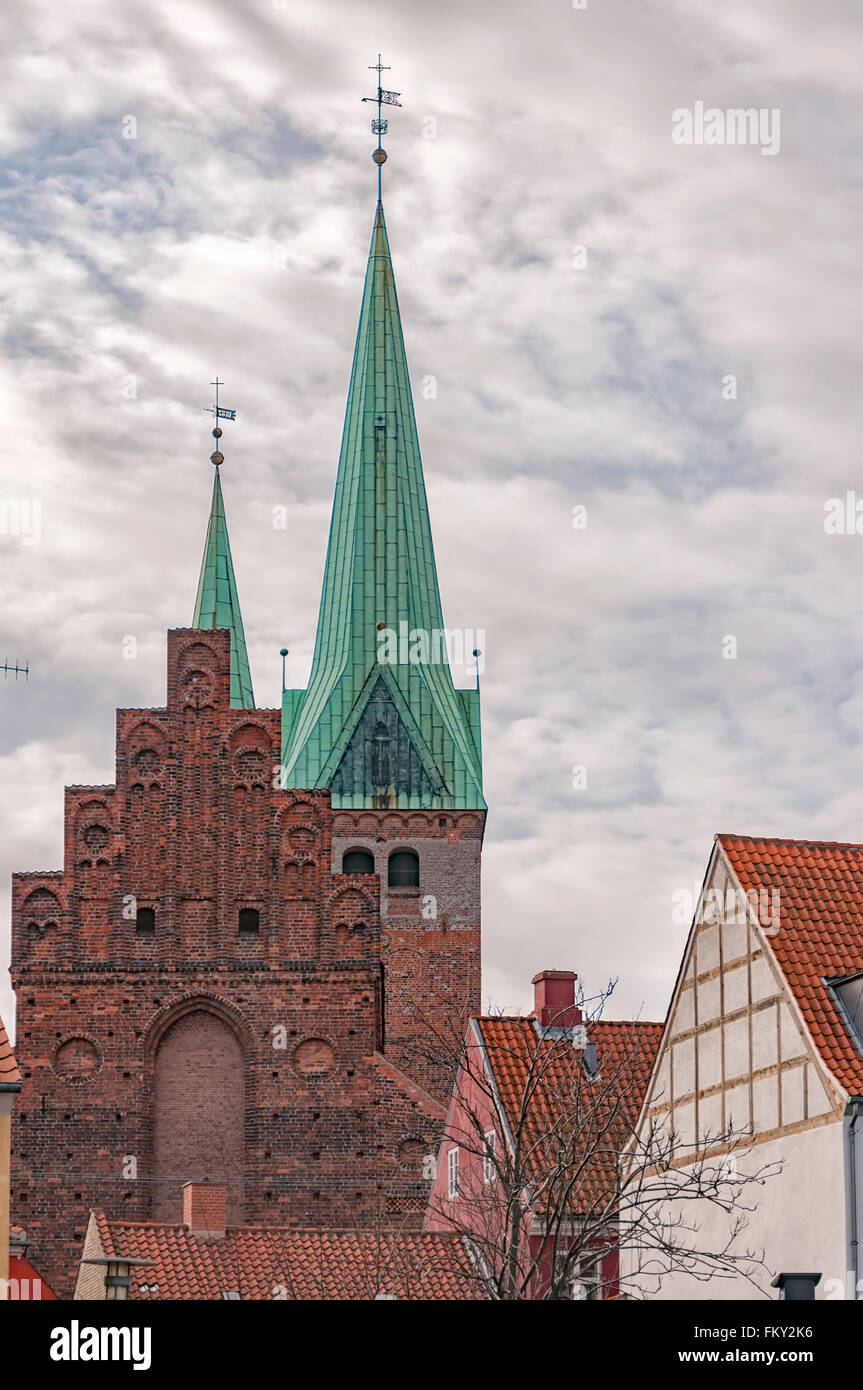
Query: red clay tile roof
point(21, 1269)
point(535, 1077)
point(820, 930)
point(9, 1073)
point(281, 1263)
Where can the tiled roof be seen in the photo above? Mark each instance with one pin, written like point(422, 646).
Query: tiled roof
point(820, 931)
point(536, 1078)
point(21, 1269)
point(275, 1262)
point(9, 1073)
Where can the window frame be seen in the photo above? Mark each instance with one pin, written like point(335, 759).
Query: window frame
point(248, 931)
point(358, 849)
point(412, 887)
point(452, 1173)
point(489, 1167)
point(150, 929)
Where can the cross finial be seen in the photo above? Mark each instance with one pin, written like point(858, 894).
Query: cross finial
point(380, 126)
point(218, 413)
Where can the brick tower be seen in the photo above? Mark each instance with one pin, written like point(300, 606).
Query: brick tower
point(209, 987)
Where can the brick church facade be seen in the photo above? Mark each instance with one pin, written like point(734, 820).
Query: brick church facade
point(262, 925)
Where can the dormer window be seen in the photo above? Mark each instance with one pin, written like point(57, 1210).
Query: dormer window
point(849, 993)
point(358, 861)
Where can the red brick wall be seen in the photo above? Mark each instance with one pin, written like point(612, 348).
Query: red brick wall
point(198, 1112)
point(194, 830)
point(431, 937)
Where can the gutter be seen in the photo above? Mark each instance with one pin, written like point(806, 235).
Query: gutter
point(853, 1159)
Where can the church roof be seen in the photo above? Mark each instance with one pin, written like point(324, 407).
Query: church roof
point(10, 1076)
point(820, 932)
point(217, 604)
point(380, 579)
point(276, 1262)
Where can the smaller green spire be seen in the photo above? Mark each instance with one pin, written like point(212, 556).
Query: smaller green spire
point(217, 604)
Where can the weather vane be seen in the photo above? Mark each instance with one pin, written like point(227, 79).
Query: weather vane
point(218, 413)
point(380, 126)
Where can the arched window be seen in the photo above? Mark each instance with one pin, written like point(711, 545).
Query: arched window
point(404, 869)
point(358, 861)
point(250, 921)
point(381, 771)
point(145, 921)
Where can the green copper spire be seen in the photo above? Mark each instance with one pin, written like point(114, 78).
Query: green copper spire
point(381, 722)
point(217, 603)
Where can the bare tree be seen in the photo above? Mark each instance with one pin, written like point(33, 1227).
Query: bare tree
point(551, 1173)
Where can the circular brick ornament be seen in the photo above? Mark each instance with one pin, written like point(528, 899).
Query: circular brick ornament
point(410, 1155)
point(314, 1057)
point(77, 1059)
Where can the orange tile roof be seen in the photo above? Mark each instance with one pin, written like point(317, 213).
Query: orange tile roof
point(277, 1262)
point(820, 930)
point(534, 1077)
point(9, 1073)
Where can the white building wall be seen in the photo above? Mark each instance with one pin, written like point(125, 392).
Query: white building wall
point(799, 1224)
point(738, 1079)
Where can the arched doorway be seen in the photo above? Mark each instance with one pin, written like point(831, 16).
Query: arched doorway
point(199, 1104)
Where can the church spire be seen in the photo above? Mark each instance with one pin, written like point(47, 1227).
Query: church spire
point(217, 604)
point(381, 722)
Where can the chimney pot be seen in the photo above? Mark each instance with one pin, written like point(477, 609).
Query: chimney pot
point(204, 1208)
point(554, 999)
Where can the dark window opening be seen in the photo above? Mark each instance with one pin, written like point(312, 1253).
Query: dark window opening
point(404, 869)
point(358, 861)
point(381, 772)
point(250, 921)
point(145, 921)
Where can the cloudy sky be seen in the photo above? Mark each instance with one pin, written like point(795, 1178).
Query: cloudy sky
point(187, 190)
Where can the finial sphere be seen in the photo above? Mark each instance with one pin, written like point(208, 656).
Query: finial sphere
point(217, 458)
point(217, 433)
point(379, 156)
point(283, 651)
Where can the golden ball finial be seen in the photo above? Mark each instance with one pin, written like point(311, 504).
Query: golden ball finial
point(379, 156)
point(217, 458)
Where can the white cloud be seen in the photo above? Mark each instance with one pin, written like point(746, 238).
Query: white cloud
point(231, 235)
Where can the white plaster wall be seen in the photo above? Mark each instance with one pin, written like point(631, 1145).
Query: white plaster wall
point(799, 1221)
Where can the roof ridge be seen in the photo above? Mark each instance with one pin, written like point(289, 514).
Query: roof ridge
point(781, 840)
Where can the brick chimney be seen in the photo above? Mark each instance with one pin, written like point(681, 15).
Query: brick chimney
point(204, 1208)
point(554, 999)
